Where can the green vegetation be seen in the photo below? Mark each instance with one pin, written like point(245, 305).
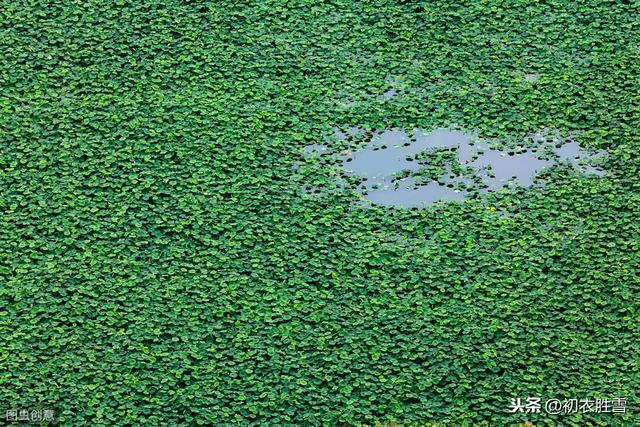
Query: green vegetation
point(161, 265)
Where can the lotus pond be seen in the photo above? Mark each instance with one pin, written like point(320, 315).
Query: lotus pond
point(305, 213)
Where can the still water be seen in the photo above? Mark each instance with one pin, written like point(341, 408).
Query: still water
point(393, 151)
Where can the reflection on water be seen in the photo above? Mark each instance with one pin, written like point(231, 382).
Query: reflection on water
point(520, 168)
point(409, 196)
point(315, 149)
point(388, 94)
point(388, 152)
point(391, 164)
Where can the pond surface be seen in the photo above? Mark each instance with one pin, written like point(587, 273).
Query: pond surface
point(409, 196)
point(388, 152)
point(390, 165)
point(518, 168)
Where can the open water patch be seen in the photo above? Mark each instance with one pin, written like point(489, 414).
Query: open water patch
point(418, 168)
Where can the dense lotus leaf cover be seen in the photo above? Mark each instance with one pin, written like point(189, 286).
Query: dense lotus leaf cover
point(161, 264)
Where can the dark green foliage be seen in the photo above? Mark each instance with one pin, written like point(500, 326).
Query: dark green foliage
point(160, 264)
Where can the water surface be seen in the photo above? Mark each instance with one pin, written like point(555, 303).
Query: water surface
point(388, 166)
